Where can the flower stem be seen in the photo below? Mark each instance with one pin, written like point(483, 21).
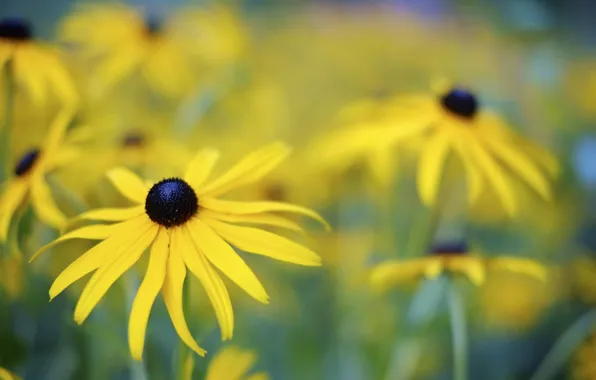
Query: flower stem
point(457, 318)
point(565, 345)
point(6, 120)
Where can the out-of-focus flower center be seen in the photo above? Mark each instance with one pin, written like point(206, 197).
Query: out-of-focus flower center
point(153, 24)
point(26, 162)
point(274, 192)
point(171, 202)
point(133, 139)
point(460, 102)
point(15, 29)
point(450, 248)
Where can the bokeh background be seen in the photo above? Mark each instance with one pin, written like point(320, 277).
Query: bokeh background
point(302, 63)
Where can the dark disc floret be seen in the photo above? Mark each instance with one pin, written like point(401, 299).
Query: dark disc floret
point(15, 29)
point(26, 162)
point(460, 102)
point(450, 248)
point(133, 139)
point(171, 202)
point(153, 24)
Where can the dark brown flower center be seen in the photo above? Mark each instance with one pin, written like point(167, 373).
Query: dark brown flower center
point(26, 162)
point(460, 102)
point(15, 29)
point(171, 202)
point(133, 139)
point(153, 24)
point(450, 248)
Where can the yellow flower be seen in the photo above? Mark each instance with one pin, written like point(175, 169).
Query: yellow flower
point(29, 178)
point(452, 123)
point(583, 365)
point(5, 375)
point(452, 258)
point(187, 226)
point(168, 52)
point(233, 363)
point(32, 65)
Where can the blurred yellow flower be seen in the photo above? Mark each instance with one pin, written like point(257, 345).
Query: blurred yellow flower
point(5, 375)
point(233, 363)
point(581, 276)
point(29, 177)
point(513, 301)
point(451, 123)
point(11, 272)
point(34, 66)
point(451, 258)
point(187, 226)
point(169, 52)
point(583, 366)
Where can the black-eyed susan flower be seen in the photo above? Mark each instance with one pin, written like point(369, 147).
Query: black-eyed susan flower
point(452, 258)
point(28, 177)
point(169, 52)
point(234, 363)
point(451, 123)
point(32, 65)
point(188, 227)
point(6, 375)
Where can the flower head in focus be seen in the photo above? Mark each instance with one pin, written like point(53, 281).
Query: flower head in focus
point(187, 226)
point(31, 65)
point(453, 122)
point(452, 258)
point(28, 180)
point(167, 51)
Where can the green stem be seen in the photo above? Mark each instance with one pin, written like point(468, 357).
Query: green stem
point(457, 317)
point(565, 345)
point(6, 121)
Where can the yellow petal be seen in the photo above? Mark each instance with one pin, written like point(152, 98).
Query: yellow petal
point(473, 268)
point(392, 273)
point(494, 174)
point(258, 376)
point(475, 177)
point(214, 287)
point(224, 258)
point(111, 269)
point(60, 81)
point(101, 253)
point(29, 76)
point(110, 214)
point(524, 168)
point(430, 168)
point(249, 170)
point(230, 363)
point(200, 167)
point(128, 184)
point(382, 163)
point(264, 243)
point(172, 295)
point(243, 208)
point(95, 232)
point(189, 366)
point(258, 219)
point(58, 129)
point(43, 204)
point(519, 265)
point(149, 289)
point(6, 375)
point(12, 196)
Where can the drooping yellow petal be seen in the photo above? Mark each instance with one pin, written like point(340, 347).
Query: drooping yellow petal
point(258, 219)
point(126, 235)
point(59, 80)
point(214, 286)
point(430, 167)
point(473, 268)
point(523, 167)
point(382, 164)
point(224, 258)
point(43, 204)
point(528, 267)
point(110, 214)
point(6, 375)
point(243, 208)
point(12, 196)
point(28, 75)
point(200, 167)
point(392, 273)
point(110, 270)
point(230, 363)
point(249, 170)
point(265, 243)
point(128, 184)
point(95, 232)
point(58, 129)
point(258, 376)
point(172, 295)
point(475, 178)
point(189, 366)
point(493, 173)
point(148, 291)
